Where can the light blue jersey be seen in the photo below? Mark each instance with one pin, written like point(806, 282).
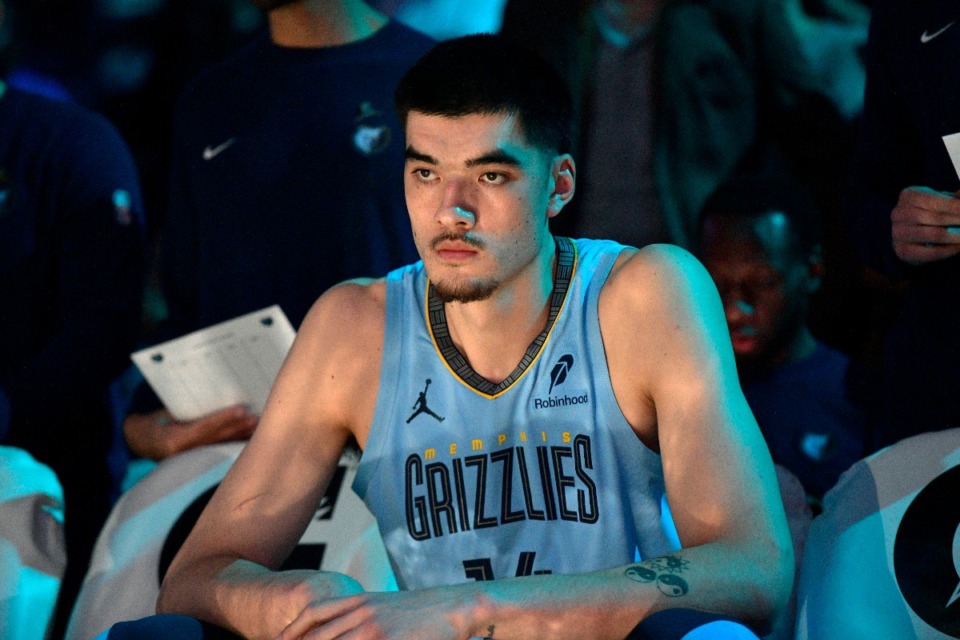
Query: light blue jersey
point(540, 473)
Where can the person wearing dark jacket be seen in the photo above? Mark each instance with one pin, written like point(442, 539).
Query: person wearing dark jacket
point(903, 208)
point(71, 276)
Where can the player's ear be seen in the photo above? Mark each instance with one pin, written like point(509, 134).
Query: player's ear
point(563, 180)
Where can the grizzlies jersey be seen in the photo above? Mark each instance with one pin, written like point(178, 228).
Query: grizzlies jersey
point(539, 473)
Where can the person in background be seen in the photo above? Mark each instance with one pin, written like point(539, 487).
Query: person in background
point(903, 209)
point(674, 97)
point(71, 278)
point(759, 238)
point(285, 181)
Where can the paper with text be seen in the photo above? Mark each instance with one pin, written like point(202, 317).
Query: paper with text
point(234, 362)
point(952, 142)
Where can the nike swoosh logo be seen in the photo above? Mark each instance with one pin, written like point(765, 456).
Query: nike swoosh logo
point(212, 152)
point(927, 37)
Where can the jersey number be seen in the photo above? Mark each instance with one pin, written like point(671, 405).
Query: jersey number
point(482, 568)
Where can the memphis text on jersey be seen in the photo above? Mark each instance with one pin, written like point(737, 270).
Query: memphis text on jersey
point(543, 476)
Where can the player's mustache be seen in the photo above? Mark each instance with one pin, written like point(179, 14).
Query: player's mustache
point(457, 237)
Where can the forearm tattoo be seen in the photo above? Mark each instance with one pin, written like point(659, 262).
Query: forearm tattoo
point(490, 630)
point(663, 572)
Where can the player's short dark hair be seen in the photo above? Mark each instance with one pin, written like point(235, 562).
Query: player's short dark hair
point(489, 74)
point(752, 196)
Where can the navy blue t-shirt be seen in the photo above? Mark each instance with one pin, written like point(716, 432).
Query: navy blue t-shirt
point(71, 276)
point(910, 105)
point(809, 418)
point(287, 178)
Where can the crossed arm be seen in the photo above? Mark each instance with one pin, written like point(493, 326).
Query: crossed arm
point(678, 392)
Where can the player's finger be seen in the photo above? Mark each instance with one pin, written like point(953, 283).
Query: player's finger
point(328, 620)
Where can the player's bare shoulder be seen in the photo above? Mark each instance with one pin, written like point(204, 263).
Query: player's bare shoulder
point(334, 366)
point(352, 312)
point(343, 333)
point(656, 275)
point(658, 306)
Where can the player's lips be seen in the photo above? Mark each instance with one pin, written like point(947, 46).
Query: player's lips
point(455, 250)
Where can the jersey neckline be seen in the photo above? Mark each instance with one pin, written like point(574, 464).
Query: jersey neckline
point(436, 318)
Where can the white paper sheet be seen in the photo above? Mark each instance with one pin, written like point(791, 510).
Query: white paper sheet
point(952, 142)
point(234, 362)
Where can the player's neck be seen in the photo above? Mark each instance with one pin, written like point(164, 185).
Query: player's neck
point(323, 23)
point(494, 334)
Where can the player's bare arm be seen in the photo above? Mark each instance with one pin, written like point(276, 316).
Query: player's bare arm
point(324, 393)
point(674, 376)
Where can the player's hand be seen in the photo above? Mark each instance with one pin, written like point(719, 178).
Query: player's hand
point(404, 615)
point(159, 435)
point(926, 225)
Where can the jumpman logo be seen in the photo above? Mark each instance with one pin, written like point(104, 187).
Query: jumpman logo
point(420, 406)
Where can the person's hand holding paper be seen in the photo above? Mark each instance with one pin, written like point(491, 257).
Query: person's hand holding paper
point(159, 435)
point(926, 223)
point(213, 383)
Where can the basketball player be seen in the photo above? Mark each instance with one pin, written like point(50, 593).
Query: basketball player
point(578, 383)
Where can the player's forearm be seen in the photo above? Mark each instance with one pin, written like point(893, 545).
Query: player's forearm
point(238, 595)
point(554, 607)
point(609, 603)
point(245, 597)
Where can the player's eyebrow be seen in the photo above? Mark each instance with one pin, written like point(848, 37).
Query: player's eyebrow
point(413, 154)
point(497, 156)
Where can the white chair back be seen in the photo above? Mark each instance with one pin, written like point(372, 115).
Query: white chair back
point(151, 520)
point(33, 552)
point(882, 562)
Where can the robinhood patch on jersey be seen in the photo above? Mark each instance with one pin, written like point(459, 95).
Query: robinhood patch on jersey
point(556, 397)
point(558, 375)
